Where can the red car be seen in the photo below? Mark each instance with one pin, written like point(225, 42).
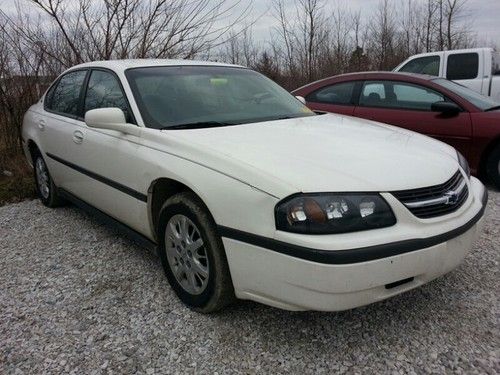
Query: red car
point(430, 105)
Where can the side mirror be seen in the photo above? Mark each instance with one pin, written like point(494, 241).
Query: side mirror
point(446, 108)
point(301, 99)
point(111, 119)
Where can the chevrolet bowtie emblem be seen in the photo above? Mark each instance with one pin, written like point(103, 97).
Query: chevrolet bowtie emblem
point(452, 197)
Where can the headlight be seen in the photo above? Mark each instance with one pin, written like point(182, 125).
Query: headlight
point(463, 163)
point(333, 213)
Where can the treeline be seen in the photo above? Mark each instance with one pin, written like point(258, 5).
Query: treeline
point(309, 40)
point(313, 41)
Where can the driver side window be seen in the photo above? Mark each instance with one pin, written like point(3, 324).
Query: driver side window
point(104, 91)
point(398, 95)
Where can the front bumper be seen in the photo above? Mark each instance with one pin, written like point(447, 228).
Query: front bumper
point(295, 277)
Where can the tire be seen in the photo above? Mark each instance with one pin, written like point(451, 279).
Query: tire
point(493, 167)
point(192, 254)
point(46, 190)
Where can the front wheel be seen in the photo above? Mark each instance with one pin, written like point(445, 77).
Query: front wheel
point(192, 254)
point(45, 187)
point(493, 167)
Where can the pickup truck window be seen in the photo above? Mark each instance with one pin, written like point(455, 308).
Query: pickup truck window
point(462, 66)
point(340, 94)
point(422, 65)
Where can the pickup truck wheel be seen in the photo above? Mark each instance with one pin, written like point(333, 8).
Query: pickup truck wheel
point(192, 254)
point(45, 187)
point(493, 167)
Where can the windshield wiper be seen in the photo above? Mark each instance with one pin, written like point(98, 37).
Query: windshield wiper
point(492, 108)
point(287, 117)
point(197, 125)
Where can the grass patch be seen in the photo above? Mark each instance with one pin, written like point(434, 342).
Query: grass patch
point(18, 184)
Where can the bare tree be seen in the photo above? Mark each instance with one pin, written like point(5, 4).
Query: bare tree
point(107, 29)
point(312, 39)
point(383, 42)
point(35, 48)
point(457, 33)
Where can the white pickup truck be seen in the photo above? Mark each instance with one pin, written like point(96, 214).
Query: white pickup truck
point(477, 68)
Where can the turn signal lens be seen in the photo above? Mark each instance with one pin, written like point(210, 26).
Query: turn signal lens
point(463, 163)
point(306, 210)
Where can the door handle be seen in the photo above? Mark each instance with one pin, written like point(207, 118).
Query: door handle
point(41, 124)
point(77, 136)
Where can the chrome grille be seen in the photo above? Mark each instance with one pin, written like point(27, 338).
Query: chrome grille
point(435, 200)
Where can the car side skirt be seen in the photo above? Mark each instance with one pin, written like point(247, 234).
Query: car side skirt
point(128, 232)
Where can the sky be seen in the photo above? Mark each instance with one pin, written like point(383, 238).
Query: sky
point(484, 17)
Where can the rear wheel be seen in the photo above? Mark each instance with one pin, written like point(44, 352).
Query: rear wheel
point(493, 167)
point(192, 254)
point(45, 187)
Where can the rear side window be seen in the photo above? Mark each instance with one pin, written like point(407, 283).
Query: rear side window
point(340, 94)
point(495, 63)
point(103, 91)
point(422, 65)
point(462, 66)
point(64, 97)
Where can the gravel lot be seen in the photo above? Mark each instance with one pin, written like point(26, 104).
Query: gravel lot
point(75, 297)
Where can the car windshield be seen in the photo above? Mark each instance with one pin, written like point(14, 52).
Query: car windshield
point(201, 96)
point(482, 102)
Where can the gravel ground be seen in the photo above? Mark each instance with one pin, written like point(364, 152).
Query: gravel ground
point(76, 297)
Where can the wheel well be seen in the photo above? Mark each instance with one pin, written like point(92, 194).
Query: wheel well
point(32, 148)
point(484, 157)
point(159, 191)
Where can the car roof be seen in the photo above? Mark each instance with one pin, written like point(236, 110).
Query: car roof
point(121, 65)
point(372, 75)
point(426, 77)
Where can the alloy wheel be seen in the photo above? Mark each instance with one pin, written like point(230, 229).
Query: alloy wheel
point(186, 254)
point(42, 178)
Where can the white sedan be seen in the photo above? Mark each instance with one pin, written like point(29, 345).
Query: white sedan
point(245, 192)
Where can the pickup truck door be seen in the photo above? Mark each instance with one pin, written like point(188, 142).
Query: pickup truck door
point(407, 105)
point(467, 69)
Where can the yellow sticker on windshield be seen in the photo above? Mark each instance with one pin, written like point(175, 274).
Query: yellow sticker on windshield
point(306, 110)
point(218, 81)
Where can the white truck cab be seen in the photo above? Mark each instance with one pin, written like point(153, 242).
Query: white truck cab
point(477, 68)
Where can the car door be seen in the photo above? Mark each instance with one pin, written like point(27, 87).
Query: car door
point(106, 158)
point(58, 127)
point(408, 105)
point(335, 98)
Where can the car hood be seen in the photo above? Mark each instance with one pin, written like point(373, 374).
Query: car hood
point(318, 154)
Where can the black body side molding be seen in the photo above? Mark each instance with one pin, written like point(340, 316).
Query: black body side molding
point(104, 180)
point(349, 256)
